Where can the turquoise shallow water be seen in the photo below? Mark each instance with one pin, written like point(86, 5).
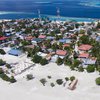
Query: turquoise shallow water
point(71, 19)
point(22, 15)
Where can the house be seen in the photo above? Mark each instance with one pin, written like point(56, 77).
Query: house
point(98, 38)
point(50, 38)
point(54, 58)
point(83, 55)
point(66, 45)
point(30, 46)
point(42, 36)
point(3, 39)
point(65, 41)
point(84, 47)
point(61, 53)
point(37, 40)
point(43, 55)
point(15, 52)
point(28, 38)
point(89, 61)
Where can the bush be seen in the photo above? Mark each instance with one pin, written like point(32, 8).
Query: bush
point(2, 52)
point(2, 62)
point(1, 71)
point(43, 81)
point(36, 59)
point(59, 81)
point(49, 77)
point(8, 66)
point(72, 67)
point(72, 78)
point(97, 81)
point(59, 61)
point(76, 63)
point(80, 69)
point(43, 61)
point(5, 77)
point(29, 77)
point(68, 62)
point(66, 78)
point(52, 84)
point(90, 68)
point(12, 79)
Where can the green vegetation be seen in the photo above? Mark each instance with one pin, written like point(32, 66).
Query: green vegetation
point(52, 84)
point(6, 78)
point(97, 81)
point(2, 52)
point(1, 71)
point(80, 69)
point(49, 77)
point(2, 62)
point(29, 77)
point(84, 39)
point(43, 61)
point(75, 64)
point(90, 68)
point(8, 66)
point(59, 81)
point(59, 61)
point(98, 25)
point(32, 52)
point(43, 81)
point(67, 61)
point(12, 79)
point(36, 59)
point(72, 78)
point(66, 78)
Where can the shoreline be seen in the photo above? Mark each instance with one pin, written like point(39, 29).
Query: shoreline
point(51, 17)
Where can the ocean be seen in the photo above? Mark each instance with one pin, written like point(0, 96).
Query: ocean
point(16, 9)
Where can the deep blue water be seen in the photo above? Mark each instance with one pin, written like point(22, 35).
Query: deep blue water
point(12, 9)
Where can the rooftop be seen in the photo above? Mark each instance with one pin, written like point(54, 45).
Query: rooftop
point(84, 55)
point(61, 52)
point(3, 38)
point(85, 47)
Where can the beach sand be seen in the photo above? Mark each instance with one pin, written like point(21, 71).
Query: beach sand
point(86, 88)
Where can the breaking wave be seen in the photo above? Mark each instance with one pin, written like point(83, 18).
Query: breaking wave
point(91, 4)
point(7, 12)
point(42, 2)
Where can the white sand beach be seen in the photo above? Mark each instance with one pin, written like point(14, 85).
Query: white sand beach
point(86, 88)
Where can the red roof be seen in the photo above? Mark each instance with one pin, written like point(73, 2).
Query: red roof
point(30, 46)
point(66, 45)
point(29, 37)
point(85, 47)
point(3, 38)
point(42, 36)
point(84, 55)
point(61, 52)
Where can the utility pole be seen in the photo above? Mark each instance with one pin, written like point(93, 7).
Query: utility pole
point(58, 12)
point(39, 15)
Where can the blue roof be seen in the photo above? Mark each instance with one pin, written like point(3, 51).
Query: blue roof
point(19, 32)
point(62, 40)
point(15, 52)
point(98, 38)
point(37, 40)
point(50, 37)
point(65, 40)
point(8, 34)
point(89, 62)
